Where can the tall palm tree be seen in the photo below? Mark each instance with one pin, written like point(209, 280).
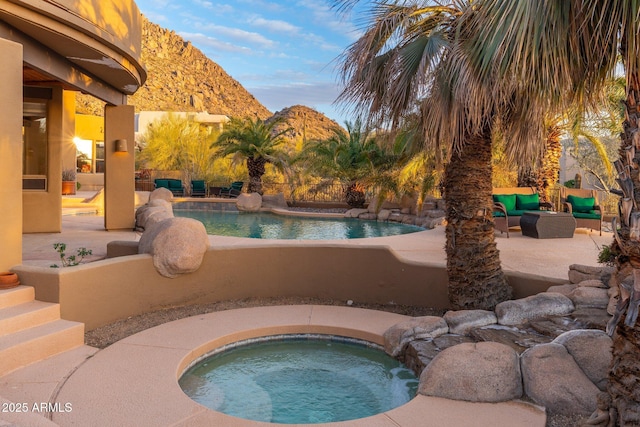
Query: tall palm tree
point(256, 142)
point(411, 54)
point(350, 157)
point(577, 44)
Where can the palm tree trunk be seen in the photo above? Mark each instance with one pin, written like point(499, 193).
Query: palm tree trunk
point(256, 168)
point(544, 174)
point(624, 377)
point(476, 279)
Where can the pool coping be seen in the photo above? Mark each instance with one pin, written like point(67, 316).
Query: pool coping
point(135, 381)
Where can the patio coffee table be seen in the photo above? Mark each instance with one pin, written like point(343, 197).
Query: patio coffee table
point(547, 224)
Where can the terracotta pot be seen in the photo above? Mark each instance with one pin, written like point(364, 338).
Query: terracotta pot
point(68, 187)
point(8, 280)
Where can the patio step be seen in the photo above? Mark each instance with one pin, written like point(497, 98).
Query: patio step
point(27, 315)
point(17, 295)
point(32, 330)
point(32, 345)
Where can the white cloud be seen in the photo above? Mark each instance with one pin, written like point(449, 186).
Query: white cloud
point(237, 34)
point(275, 26)
point(215, 45)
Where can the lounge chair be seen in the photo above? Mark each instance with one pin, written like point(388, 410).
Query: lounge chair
point(233, 190)
point(198, 188)
point(583, 204)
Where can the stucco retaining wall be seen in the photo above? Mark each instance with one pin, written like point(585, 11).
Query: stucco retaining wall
point(102, 292)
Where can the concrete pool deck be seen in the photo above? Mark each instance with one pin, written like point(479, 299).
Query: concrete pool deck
point(134, 382)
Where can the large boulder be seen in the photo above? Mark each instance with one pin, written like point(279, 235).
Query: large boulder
point(249, 202)
point(177, 245)
point(400, 334)
point(553, 379)
point(474, 372)
point(161, 193)
point(155, 211)
point(591, 349)
point(587, 296)
point(516, 312)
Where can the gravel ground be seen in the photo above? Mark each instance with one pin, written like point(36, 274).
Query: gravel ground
point(104, 336)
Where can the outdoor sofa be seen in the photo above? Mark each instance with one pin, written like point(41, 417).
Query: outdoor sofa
point(173, 185)
point(583, 204)
point(509, 203)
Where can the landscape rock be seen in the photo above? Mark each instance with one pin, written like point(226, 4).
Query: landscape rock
point(249, 202)
point(589, 297)
point(462, 321)
point(162, 194)
point(383, 215)
point(516, 312)
point(177, 245)
point(565, 289)
point(579, 273)
point(553, 379)
point(592, 283)
point(397, 336)
point(419, 353)
point(355, 212)
point(518, 339)
point(155, 211)
point(474, 372)
point(592, 351)
point(368, 215)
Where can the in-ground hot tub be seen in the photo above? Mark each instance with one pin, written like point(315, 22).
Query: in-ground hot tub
point(300, 379)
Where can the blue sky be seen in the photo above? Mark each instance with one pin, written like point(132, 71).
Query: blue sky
point(283, 52)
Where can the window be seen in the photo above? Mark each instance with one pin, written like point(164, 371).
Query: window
point(34, 145)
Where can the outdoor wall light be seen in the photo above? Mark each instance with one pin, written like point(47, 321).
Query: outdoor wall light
point(121, 146)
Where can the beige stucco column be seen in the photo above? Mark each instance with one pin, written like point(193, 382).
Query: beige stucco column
point(10, 154)
point(119, 179)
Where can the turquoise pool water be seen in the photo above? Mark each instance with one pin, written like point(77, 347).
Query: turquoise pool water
point(265, 225)
point(301, 381)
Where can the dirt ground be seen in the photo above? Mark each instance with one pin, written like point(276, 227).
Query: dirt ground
point(104, 336)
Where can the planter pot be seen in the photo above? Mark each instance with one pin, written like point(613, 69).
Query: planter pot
point(8, 280)
point(68, 187)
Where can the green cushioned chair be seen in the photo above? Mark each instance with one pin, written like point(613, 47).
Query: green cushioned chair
point(233, 190)
point(583, 205)
point(198, 188)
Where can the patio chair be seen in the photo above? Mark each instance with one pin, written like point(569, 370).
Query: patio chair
point(583, 205)
point(233, 190)
point(198, 188)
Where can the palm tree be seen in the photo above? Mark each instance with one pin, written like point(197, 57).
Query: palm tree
point(576, 44)
point(412, 54)
point(258, 143)
point(350, 157)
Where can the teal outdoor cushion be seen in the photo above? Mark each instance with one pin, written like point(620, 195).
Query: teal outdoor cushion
point(581, 204)
point(587, 215)
point(162, 183)
point(175, 183)
point(528, 202)
point(508, 200)
point(198, 185)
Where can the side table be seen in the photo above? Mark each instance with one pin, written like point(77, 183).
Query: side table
point(547, 224)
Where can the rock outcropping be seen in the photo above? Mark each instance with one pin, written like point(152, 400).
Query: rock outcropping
point(181, 78)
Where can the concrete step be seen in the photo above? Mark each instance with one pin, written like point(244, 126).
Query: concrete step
point(17, 295)
point(27, 315)
point(22, 348)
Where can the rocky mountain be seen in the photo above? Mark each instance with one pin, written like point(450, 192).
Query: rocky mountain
point(182, 78)
point(307, 123)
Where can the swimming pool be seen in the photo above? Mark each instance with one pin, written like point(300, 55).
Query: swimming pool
point(265, 225)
